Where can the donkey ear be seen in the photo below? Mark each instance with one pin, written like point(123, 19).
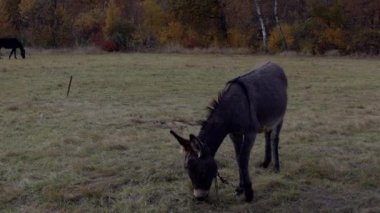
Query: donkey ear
point(193, 137)
point(196, 144)
point(185, 143)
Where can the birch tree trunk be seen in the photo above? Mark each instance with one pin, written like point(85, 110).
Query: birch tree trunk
point(284, 43)
point(263, 30)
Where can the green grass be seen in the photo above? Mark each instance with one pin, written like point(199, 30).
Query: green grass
point(107, 146)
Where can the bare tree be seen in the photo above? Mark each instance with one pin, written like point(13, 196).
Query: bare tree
point(263, 29)
point(222, 18)
point(275, 7)
point(54, 22)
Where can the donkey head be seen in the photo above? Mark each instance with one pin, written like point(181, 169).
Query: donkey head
point(200, 165)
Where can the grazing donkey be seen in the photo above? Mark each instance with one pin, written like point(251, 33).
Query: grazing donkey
point(12, 43)
point(249, 104)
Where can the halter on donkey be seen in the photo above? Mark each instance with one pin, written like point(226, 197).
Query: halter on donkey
point(251, 104)
point(12, 43)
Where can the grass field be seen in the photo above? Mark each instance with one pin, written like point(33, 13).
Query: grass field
point(107, 147)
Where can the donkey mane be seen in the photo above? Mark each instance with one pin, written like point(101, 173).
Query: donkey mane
point(216, 100)
point(214, 104)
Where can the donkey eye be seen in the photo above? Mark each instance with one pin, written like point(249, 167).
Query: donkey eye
point(190, 162)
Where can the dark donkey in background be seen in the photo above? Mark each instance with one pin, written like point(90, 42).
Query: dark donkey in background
point(250, 104)
point(12, 43)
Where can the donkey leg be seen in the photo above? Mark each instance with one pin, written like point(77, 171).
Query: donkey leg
point(10, 55)
point(275, 141)
point(245, 152)
point(237, 140)
point(268, 151)
point(13, 52)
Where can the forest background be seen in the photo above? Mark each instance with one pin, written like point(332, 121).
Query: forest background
point(305, 26)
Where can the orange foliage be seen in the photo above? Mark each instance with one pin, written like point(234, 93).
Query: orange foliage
point(110, 46)
point(172, 33)
point(88, 24)
point(333, 36)
point(192, 40)
point(275, 43)
point(236, 38)
point(154, 16)
point(316, 26)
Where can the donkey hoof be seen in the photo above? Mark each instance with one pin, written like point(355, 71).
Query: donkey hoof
point(248, 195)
point(264, 165)
point(239, 190)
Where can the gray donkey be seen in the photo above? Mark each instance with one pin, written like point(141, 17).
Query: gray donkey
point(249, 104)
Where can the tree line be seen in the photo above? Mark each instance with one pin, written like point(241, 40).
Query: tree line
point(307, 26)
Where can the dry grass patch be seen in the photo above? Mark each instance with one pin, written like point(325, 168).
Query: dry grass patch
point(107, 147)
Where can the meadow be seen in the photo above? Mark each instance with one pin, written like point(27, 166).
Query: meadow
point(107, 148)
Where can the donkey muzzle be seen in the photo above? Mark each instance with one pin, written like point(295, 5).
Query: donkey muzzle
point(200, 194)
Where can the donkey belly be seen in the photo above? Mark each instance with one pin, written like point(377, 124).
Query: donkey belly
point(270, 108)
point(270, 116)
point(270, 125)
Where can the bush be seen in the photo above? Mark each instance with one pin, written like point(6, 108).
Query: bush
point(191, 41)
point(87, 25)
point(275, 43)
point(329, 39)
point(367, 41)
point(314, 37)
point(173, 33)
point(109, 46)
point(236, 38)
point(116, 29)
point(305, 35)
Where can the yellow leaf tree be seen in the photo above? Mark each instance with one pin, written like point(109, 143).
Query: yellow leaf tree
point(116, 29)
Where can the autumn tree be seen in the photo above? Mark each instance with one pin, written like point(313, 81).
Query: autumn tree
point(241, 30)
point(153, 24)
point(309, 26)
point(278, 24)
point(87, 27)
point(10, 19)
point(116, 28)
point(362, 28)
point(276, 38)
point(205, 20)
point(46, 23)
point(326, 24)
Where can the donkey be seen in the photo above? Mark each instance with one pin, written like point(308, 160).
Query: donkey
point(249, 104)
point(12, 43)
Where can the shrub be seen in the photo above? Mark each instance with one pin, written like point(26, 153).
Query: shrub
point(87, 26)
point(328, 39)
point(116, 29)
point(275, 42)
point(236, 38)
point(110, 46)
point(367, 41)
point(193, 40)
point(173, 33)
